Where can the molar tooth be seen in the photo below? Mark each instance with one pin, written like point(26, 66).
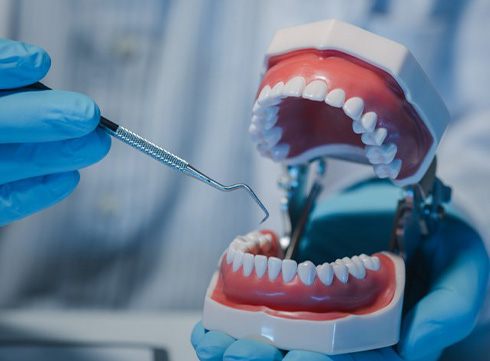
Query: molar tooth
point(390, 170)
point(254, 132)
point(294, 87)
point(375, 138)
point(237, 260)
point(263, 149)
point(265, 110)
point(357, 127)
point(248, 264)
point(335, 98)
point(367, 262)
point(325, 273)
point(316, 90)
point(383, 154)
point(266, 119)
point(242, 246)
point(340, 271)
point(376, 263)
point(274, 267)
point(307, 272)
point(264, 239)
point(260, 265)
point(264, 95)
point(257, 108)
point(280, 152)
point(368, 122)
point(230, 255)
point(359, 264)
point(272, 136)
point(277, 90)
point(353, 107)
point(355, 269)
point(289, 268)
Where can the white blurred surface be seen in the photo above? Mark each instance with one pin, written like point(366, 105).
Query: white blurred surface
point(128, 336)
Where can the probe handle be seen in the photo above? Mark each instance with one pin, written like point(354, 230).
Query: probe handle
point(134, 140)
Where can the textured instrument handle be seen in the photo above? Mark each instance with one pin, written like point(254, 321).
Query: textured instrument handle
point(149, 148)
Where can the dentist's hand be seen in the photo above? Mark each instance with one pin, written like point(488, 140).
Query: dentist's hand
point(456, 278)
point(45, 136)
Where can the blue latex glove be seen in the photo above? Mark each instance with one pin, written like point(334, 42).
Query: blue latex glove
point(45, 136)
point(457, 277)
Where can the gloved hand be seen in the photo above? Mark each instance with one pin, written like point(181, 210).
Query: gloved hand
point(457, 274)
point(45, 136)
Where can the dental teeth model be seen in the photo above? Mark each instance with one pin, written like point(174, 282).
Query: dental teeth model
point(331, 90)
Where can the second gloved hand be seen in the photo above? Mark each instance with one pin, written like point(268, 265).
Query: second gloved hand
point(45, 136)
point(446, 312)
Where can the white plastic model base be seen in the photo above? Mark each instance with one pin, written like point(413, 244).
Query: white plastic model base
point(233, 300)
point(323, 75)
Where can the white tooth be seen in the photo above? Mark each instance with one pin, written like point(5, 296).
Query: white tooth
point(264, 239)
point(248, 264)
point(368, 122)
point(289, 268)
point(353, 107)
point(240, 246)
point(376, 263)
point(335, 98)
point(325, 273)
point(263, 149)
point(256, 108)
point(375, 138)
point(279, 152)
point(273, 268)
point(383, 154)
point(357, 127)
point(367, 261)
point(260, 265)
point(294, 87)
point(272, 136)
point(267, 119)
point(354, 269)
point(277, 90)
point(254, 132)
point(230, 255)
point(357, 261)
point(237, 260)
point(388, 170)
point(340, 271)
point(307, 272)
point(316, 90)
point(264, 95)
point(265, 110)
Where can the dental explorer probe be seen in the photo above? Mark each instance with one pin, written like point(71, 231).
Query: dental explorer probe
point(164, 156)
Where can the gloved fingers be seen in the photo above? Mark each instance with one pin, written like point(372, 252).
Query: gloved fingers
point(306, 355)
point(198, 333)
point(251, 350)
point(213, 345)
point(22, 198)
point(21, 64)
point(47, 115)
point(382, 354)
point(27, 160)
point(449, 311)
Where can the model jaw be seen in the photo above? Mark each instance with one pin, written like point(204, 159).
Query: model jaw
point(357, 285)
point(255, 293)
point(320, 95)
point(331, 89)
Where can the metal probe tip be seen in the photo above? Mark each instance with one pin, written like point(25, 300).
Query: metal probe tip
point(255, 198)
point(193, 172)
